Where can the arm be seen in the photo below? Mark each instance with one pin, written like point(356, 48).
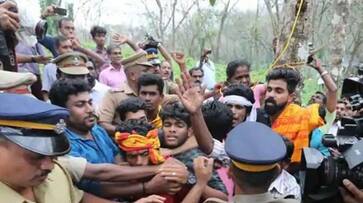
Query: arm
point(210, 192)
point(331, 93)
point(165, 53)
point(192, 98)
point(201, 132)
point(203, 168)
point(179, 58)
point(115, 173)
point(122, 39)
point(157, 185)
point(93, 55)
point(20, 58)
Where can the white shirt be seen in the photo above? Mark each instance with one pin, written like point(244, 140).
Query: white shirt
point(209, 78)
point(334, 128)
point(97, 93)
point(285, 185)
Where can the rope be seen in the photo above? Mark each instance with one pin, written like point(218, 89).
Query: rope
point(290, 36)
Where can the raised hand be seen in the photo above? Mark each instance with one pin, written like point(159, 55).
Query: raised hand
point(190, 95)
point(48, 11)
point(178, 57)
point(119, 39)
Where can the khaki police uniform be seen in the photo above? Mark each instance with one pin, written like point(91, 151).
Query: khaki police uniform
point(113, 98)
point(72, 63)
point(57, 188)
point(254, 147)
point(37, 127)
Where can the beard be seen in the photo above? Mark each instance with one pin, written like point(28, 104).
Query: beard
point(275, 108)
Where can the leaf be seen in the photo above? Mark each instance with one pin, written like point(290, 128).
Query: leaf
point(212, 2)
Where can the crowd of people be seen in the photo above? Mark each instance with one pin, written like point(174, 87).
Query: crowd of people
point(92, 126)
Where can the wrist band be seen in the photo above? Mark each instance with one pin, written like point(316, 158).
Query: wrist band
point(324, 73)
point(32, 59)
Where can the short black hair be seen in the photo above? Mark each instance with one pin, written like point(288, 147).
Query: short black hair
point(218, 118)
point(112, 47)
point(132, 104)
point(196, 69)
point(233, 65)
point(97, 30)
point(141, 127)
point(58, 40)
point(323, 95)
point(290, 76)
point(175, 111)
point(62, 89)
point(148, 79)
point(240, 90)
point(60, 21)
point(254, 180)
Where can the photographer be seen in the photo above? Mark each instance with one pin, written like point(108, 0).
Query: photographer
point(207, 65)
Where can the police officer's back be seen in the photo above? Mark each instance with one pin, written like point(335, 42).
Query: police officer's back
point(254, 150)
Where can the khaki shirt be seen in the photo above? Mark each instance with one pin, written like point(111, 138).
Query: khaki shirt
point(76, 166)
point(110, 102)
point(57, 188)
point(258, 198)
point(112, 99)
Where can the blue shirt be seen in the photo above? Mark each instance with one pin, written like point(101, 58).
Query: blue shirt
point(99, 150)
point(316, 142)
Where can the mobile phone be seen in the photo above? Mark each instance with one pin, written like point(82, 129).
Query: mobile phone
point(60, 11)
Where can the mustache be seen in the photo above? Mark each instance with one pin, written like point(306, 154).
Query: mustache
point(270, 100)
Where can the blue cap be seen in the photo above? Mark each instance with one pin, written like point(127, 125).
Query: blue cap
point(33, 124)
point(254, 147)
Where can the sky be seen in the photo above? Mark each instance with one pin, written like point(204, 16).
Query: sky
point(128, 12)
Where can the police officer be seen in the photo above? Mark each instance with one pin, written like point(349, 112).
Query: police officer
point(71, 65)
point(15, 82)
point(255, 151)
point(134, 66)
point(31, 137)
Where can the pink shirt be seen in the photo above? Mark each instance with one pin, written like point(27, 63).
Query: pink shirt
point(112, 77)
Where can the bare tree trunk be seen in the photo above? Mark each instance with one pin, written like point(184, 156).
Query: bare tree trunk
point(300, 35)
point(227, 9)
point(173, 25)
point(337, 48)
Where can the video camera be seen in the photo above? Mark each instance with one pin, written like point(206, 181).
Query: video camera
point(150, 42)
point(321, 176)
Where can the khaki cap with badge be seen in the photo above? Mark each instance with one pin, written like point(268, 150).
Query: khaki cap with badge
point(137, 59)
point(15, 79)
point(72, 63)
